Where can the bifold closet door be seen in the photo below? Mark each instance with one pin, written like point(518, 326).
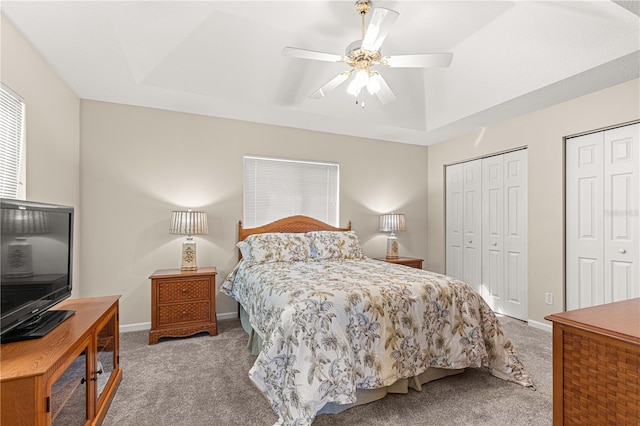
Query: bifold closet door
point(602, 224)
point(493, 231)
point(504, 217)
point(515, 235)
point(454, 220)
point(486, 229)
point(464, 222)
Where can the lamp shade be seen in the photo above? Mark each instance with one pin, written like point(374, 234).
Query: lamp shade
point(23, 222)
point(188, 223)
point(391, 222)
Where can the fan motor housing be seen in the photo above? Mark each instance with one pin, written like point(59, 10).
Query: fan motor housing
point(357, 57)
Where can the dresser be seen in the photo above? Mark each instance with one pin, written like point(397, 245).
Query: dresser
point(596, 365)
point(183, 303)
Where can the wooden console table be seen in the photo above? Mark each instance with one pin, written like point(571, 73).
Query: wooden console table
point(69, 376)
point(596, 364)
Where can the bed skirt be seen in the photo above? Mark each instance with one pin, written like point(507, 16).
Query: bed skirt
point(363, 396)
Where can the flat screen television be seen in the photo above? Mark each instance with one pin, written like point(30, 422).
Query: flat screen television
point(36, 242)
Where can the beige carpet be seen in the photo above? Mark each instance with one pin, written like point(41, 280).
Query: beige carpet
point(203, 380)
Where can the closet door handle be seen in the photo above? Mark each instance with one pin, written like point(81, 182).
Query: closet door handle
point(623, 251)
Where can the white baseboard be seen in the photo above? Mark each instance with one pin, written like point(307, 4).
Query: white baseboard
point(142, 326)
point(227, 315)
point(540, 325)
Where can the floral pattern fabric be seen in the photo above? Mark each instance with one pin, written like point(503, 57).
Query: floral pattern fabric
point(275, 247)
point(335, 245)
point(331, 327)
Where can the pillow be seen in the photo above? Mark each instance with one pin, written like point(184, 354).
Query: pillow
point(335, 245)
point(245, 249)
point(275, 247)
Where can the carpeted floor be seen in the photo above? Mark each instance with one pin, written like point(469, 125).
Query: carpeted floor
point(203, 380)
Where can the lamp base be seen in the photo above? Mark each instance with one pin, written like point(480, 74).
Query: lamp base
point(188, 255)
point(19, 263)
point(392, 247)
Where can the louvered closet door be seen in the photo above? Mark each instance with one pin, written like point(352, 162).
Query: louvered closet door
point(602, 224)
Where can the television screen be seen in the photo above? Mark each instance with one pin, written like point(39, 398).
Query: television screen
point(36, 265)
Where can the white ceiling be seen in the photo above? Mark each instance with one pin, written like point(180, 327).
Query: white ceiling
point(222, 58)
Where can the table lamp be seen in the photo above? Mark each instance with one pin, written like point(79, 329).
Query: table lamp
point(392, 222)
point(188, 223)
point(22, 223)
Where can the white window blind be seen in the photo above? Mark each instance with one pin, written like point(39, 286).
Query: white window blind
point(276, 188)
point(11, 138)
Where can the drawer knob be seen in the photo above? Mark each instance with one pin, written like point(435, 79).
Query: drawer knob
point(494, 244)
point(184, 312)
point(623, 251)
point(184, 290)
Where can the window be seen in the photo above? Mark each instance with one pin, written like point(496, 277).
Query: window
point(11, 143)
point(276, 188)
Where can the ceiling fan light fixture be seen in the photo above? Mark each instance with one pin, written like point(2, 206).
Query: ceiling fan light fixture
point(362, 77)
point(353, 89)
point(373, 86)
point(363, 55)
point(360, 81)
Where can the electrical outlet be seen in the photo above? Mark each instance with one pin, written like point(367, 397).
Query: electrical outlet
point(548, 298)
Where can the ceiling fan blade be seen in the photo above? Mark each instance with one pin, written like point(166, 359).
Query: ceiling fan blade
point(385, 95)
point(332, 84)
point(426, 60)
point(378, 29)
point(294, 52)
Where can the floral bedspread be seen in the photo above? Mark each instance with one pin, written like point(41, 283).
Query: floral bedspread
point(330, 327)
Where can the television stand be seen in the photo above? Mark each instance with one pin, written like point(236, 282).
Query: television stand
point(69, 376)
point(38, 327)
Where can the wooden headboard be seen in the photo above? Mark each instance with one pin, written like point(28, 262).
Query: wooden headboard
point(289, 224)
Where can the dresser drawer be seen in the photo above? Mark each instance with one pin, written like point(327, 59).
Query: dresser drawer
point(183, 290)
point(183, 312)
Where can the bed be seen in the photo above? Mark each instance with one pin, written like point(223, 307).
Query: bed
point(332, 328)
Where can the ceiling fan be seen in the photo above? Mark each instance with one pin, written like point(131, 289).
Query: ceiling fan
point(362, 55)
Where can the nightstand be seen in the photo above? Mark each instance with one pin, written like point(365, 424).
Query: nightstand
point(406, 261)
point(183, 303)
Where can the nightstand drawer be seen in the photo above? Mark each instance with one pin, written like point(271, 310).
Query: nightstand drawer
point(183, 312)
point(183, 290)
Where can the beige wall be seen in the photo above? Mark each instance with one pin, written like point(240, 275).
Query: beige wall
point(52, 120)
point(139, 164)
point(542, 132)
